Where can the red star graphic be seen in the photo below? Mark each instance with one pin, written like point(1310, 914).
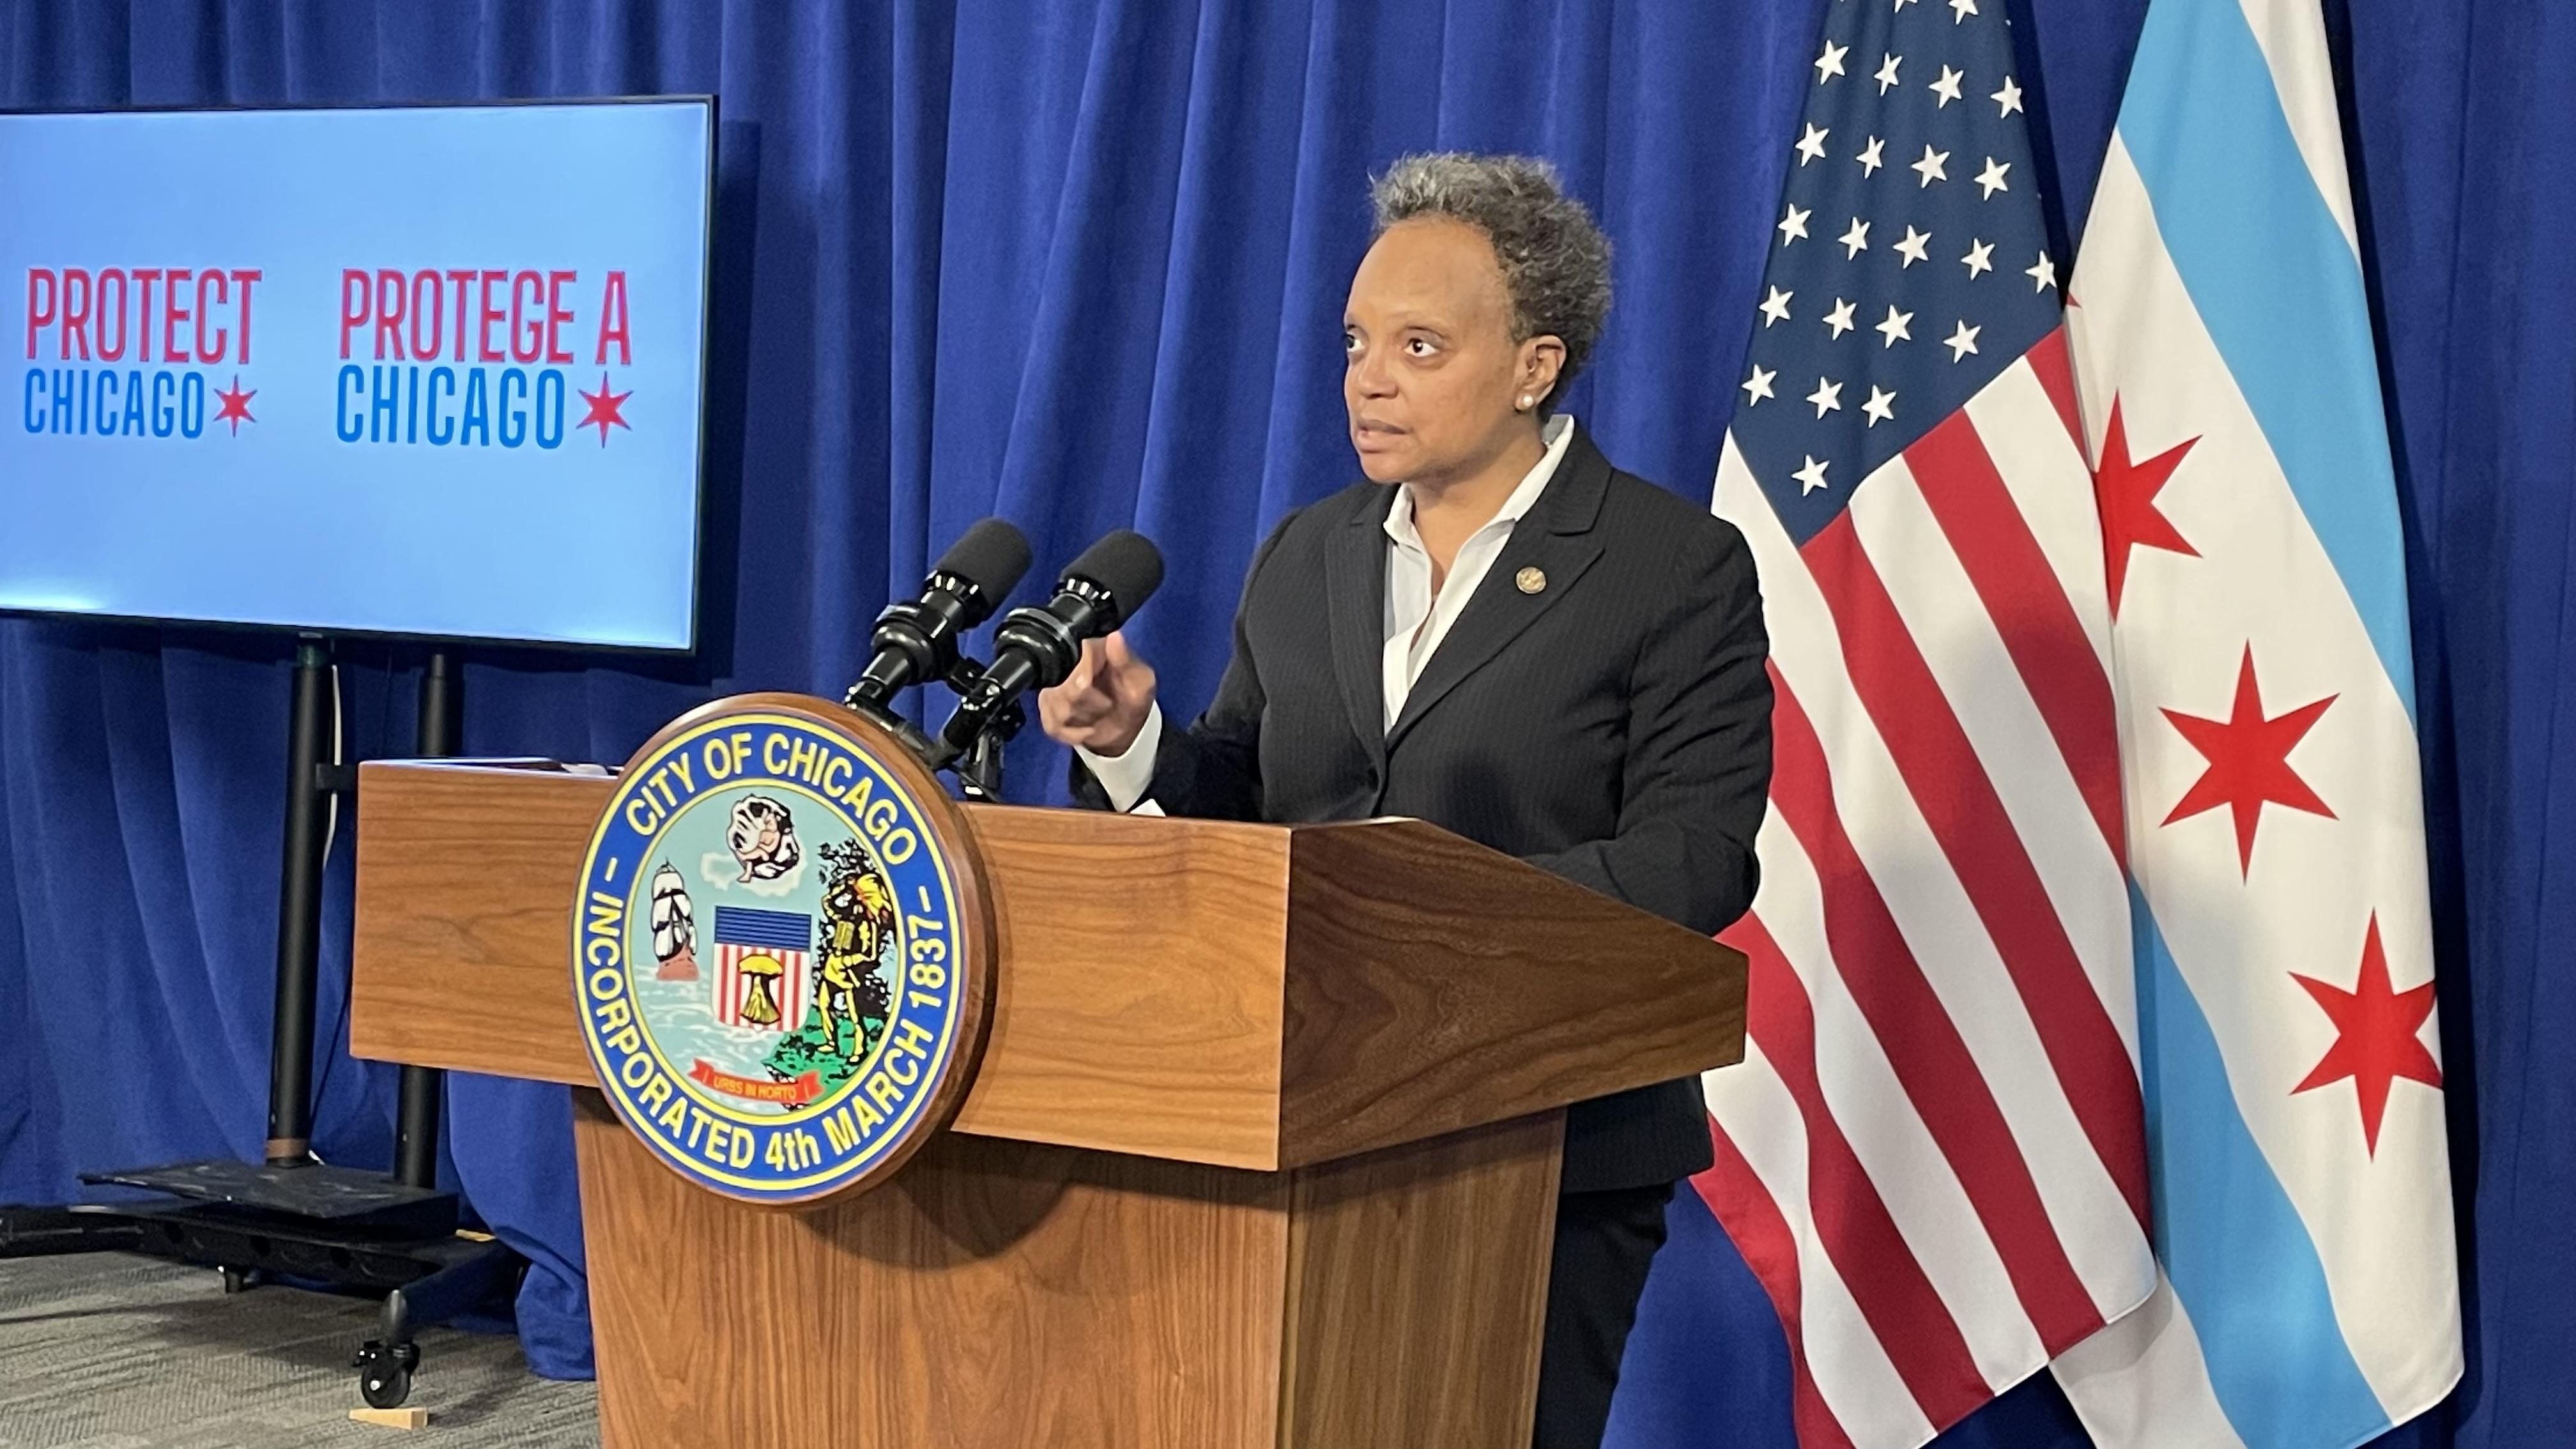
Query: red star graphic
point(605, 408)
point(2249, 761)
point(2126, 492)
point(236, 406)
point(2376, 1035)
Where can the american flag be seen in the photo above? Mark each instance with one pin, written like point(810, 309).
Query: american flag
point(1933, 1154)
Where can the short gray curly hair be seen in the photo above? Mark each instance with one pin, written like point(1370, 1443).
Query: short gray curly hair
point(1555, 261)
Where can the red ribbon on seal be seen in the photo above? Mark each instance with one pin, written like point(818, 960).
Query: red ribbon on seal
point(795, 1092)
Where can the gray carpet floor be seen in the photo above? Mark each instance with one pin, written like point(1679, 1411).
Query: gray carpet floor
point(115, 1352)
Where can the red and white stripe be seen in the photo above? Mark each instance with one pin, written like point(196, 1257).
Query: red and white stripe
point(726, 991)
point(1933, 1156)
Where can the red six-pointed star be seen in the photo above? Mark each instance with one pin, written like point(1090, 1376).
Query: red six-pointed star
point(2249, 761)
point(236, 406)
point(2376, 1036)
point(605, 408)
point(2126, 492)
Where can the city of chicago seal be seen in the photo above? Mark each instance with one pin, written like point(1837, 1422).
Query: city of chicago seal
point(780, 950)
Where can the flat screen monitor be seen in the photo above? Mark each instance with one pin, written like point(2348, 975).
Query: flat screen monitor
point(432, 371)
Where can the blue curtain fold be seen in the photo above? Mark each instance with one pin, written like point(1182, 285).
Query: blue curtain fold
point(2469, 193)
point(1080, 263)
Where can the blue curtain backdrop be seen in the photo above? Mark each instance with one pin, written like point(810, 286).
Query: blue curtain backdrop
point(1080, 263)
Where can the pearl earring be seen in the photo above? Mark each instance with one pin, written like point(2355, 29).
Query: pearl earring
point(1525, 402)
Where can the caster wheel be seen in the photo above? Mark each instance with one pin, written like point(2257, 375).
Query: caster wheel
point(238, 1280)
point(384, 1371)
point(385, 1386)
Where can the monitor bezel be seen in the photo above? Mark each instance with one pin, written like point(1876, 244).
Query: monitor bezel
point(706, 319)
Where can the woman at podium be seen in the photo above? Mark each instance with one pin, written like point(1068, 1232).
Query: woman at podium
point(1501, 633)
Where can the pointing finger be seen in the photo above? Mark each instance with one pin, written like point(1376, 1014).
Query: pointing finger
point(1079, 681)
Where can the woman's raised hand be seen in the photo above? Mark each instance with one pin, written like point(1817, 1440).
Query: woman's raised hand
point(1102, 706)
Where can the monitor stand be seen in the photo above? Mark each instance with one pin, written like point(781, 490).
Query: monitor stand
point(291, 1216)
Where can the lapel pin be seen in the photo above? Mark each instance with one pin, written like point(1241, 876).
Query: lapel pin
point(1530, 580)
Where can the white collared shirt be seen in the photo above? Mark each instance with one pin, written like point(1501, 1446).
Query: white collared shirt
point(1416, 619)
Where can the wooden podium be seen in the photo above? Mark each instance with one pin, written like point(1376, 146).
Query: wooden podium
point(1262, 1152)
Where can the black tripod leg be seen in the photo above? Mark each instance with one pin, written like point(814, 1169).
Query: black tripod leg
point(442, 702)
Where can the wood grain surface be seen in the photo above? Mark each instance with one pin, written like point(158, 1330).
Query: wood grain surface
point(1003, 1293)
point(1238, 995)
point(1417, 1289)
point(997, 1293)
point(1140, 1003)
point(1263, 1152)
point(461, 950)
point(1141, 1018)
point(1433, 985)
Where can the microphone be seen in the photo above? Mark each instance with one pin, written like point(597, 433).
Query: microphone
point(1037, 647)
point(916, 639)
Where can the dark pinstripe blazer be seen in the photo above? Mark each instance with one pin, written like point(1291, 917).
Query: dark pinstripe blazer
point(1613, 727)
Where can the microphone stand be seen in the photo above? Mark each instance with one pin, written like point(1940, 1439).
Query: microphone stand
point(924, 747)
point(977, 766)
point(979, 771)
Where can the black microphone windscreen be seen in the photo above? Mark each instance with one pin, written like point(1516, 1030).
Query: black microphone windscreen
point(992, 556)
point(1127, 564)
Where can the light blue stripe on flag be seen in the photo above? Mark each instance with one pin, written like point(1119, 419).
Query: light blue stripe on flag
point(2256, 246)
point(2240, 1259)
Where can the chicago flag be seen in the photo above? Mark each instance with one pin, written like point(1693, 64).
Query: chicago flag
point(2302, 1211)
